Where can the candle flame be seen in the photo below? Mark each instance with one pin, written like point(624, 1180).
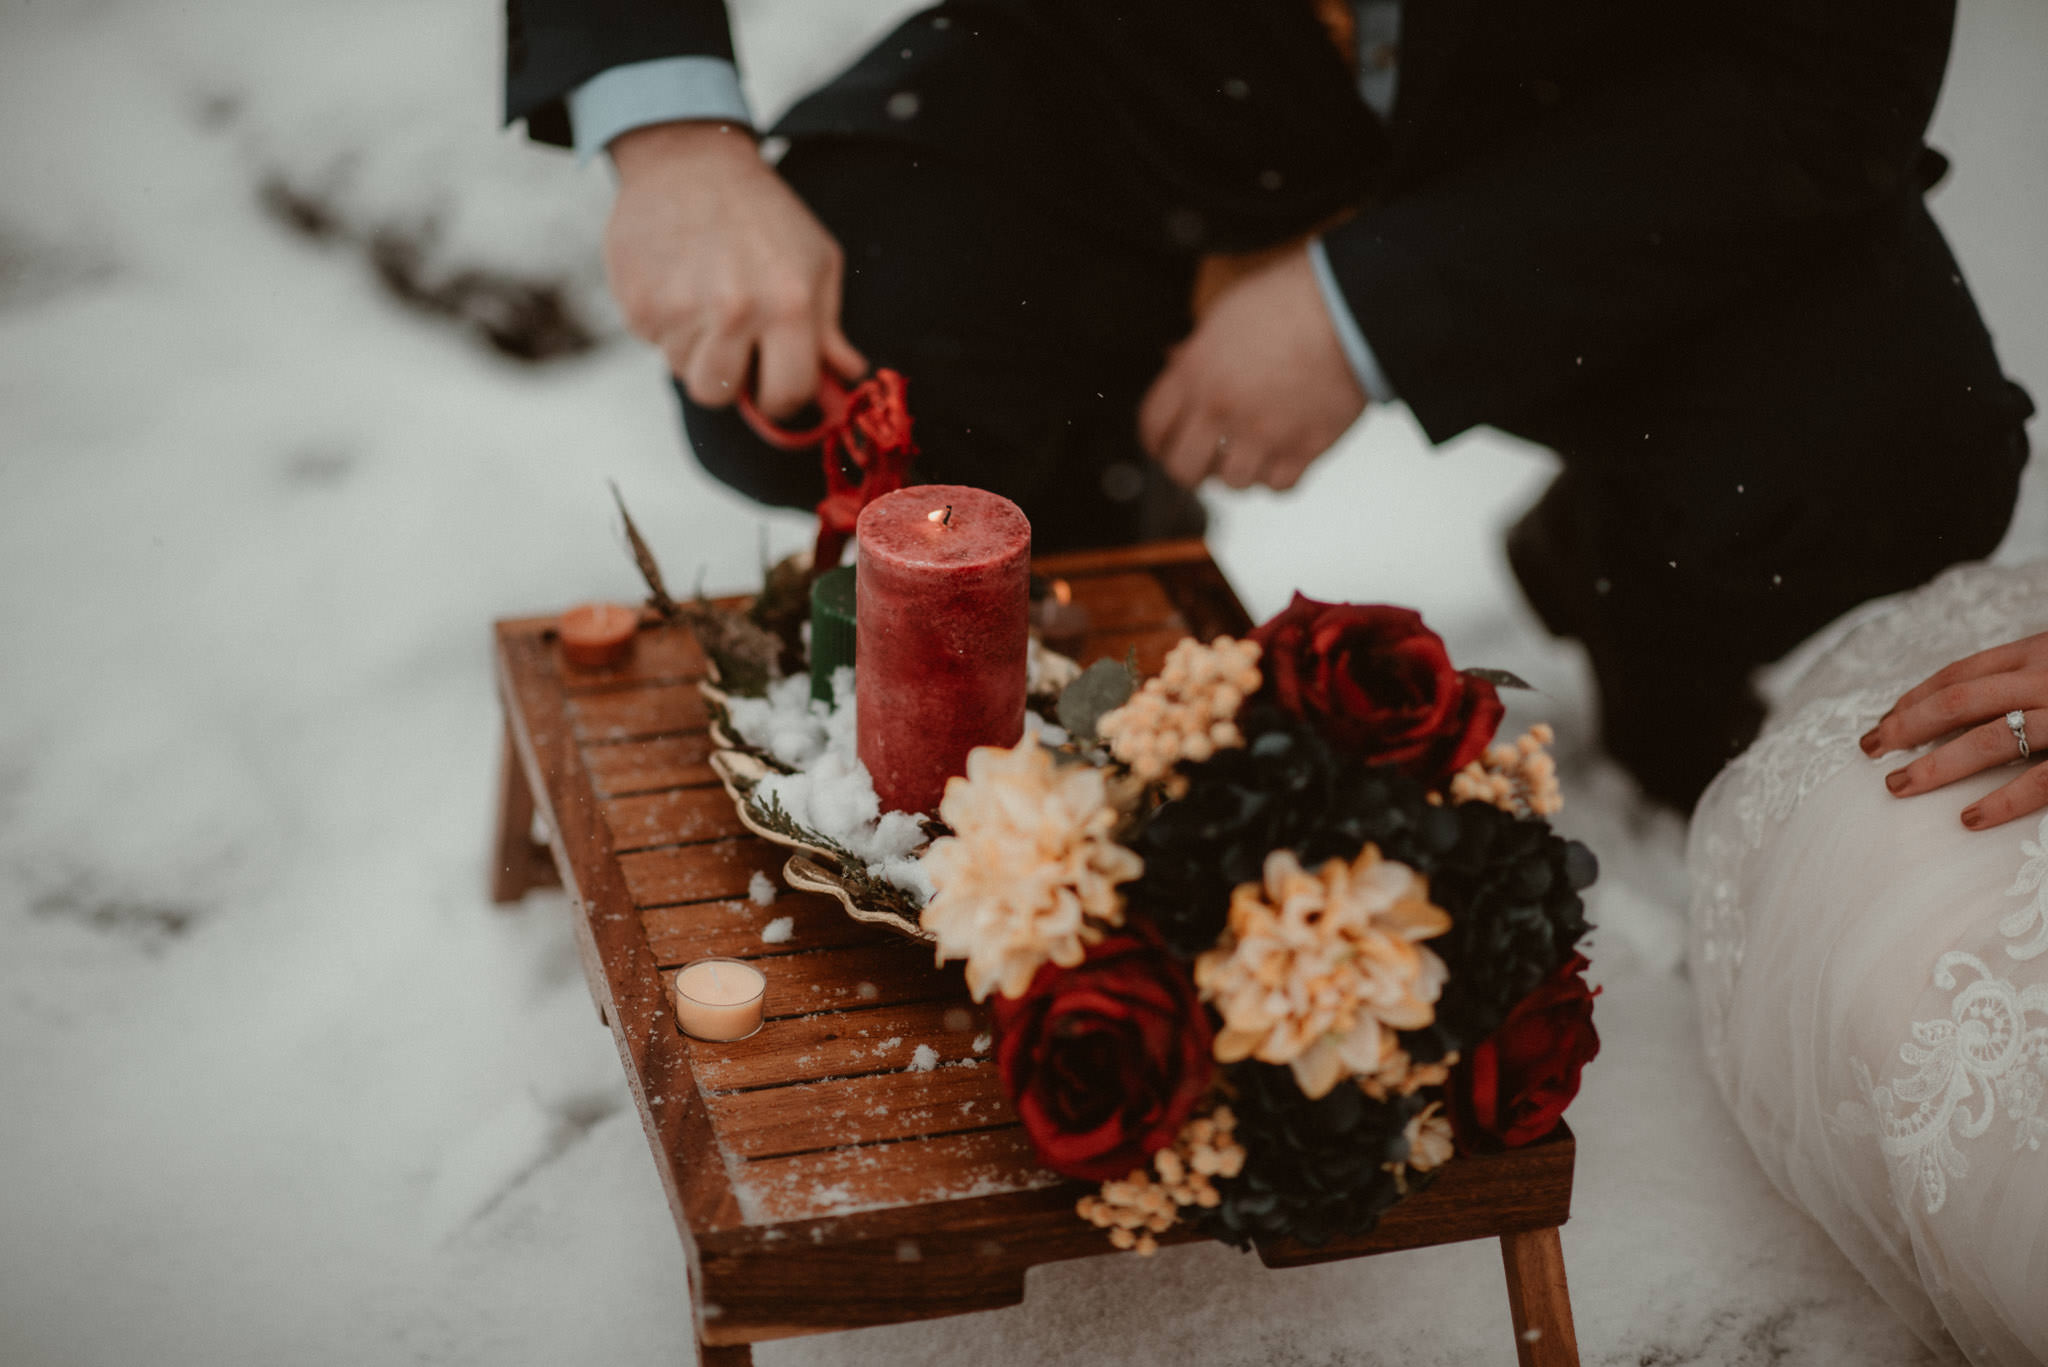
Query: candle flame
point(942, 516)
point(1061, 593)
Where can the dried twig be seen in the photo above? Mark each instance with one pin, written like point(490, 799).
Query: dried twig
point(650, 570)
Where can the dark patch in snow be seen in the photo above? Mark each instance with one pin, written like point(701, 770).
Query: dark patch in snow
point(307, 215)
point(215, 110)
point(33, 271)
point(152, 925)
point(533, 320)
point(582, 1114)
point(528, 320)
point(319, 467)
point(1761, 1339)
point(575, 1117)
point(1287, 1355)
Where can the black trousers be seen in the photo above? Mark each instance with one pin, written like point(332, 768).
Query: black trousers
point(1834, 438)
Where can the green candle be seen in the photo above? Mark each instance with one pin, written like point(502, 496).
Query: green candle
point(831, 628)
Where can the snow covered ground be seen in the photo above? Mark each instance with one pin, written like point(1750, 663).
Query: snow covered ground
point(277, 1084)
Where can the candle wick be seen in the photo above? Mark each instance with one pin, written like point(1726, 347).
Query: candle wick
point(717, 983)
point(948, 518)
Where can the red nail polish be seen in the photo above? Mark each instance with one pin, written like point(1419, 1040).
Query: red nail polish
point(1895, 780)
point(1972, 818)
point(1869, 742)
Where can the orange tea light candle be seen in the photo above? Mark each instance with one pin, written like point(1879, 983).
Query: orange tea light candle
point(597, 635)
point(719, 999)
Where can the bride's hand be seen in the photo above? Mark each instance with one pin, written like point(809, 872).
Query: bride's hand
point(1968, 701)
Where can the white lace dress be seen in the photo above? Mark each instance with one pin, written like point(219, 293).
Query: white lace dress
point(1873, 983)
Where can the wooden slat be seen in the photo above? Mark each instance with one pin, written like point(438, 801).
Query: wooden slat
point(886, 1266)
point(732, 928)
point(886, 973)
point(671, 818)
point(972, 1254)
point(634, 713)
point(698, 873)
point(643, 766)
point(846, 1043)
point(660, 655)
point(860, 1110)
point(910, 1172)
point(1204, 597)
point(1151, 557)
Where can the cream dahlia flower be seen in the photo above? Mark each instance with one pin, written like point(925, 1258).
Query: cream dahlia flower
point(1030, 873)
point(1189, 712)
point(1319, 970)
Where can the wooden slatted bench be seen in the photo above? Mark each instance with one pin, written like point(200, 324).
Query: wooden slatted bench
point(819, 1180)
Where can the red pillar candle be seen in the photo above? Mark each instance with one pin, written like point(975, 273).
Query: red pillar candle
point(943, 615)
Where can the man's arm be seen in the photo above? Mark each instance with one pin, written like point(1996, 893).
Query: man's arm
point(1627, 218)
point(554, 46)
point(713, 260)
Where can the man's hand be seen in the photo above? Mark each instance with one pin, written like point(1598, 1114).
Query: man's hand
point(714, 260)
point(1259, 390)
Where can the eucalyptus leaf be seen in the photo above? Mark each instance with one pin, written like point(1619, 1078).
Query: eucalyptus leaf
point(1102, 687)
point(1501, 678)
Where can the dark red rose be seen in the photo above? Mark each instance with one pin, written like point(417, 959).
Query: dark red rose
point(1104, 1061)
point(1378, 684)
point(1513, 1088)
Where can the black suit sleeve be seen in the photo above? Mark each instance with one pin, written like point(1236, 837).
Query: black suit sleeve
point(1625, 217)
point(553, 46)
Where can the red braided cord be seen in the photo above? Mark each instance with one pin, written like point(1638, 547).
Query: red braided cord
point(864, 442)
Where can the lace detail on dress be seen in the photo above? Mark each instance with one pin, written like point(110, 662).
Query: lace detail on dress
point(1794, 759)
point(2032, 884)
point(1989, 1050)
point(1960, 613)
point(1762, 789)
point(1718, 934)
point(1812, 738)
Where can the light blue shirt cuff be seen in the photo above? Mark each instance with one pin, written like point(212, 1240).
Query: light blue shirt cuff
point(662, 91)
point(1364, 365)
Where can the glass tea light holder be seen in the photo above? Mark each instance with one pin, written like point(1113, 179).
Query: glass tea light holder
point(719, 999)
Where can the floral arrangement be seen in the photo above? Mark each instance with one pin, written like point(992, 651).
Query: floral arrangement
point(1275, 934)
point(1272, 937)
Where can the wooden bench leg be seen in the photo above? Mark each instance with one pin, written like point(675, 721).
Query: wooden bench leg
point(1539, 1300)
point(725, 1355)
point(519, 864)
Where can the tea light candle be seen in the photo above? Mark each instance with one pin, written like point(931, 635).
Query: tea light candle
point(943, 599)
point(719, 999)
point(597, 635)
point(1062, 623)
